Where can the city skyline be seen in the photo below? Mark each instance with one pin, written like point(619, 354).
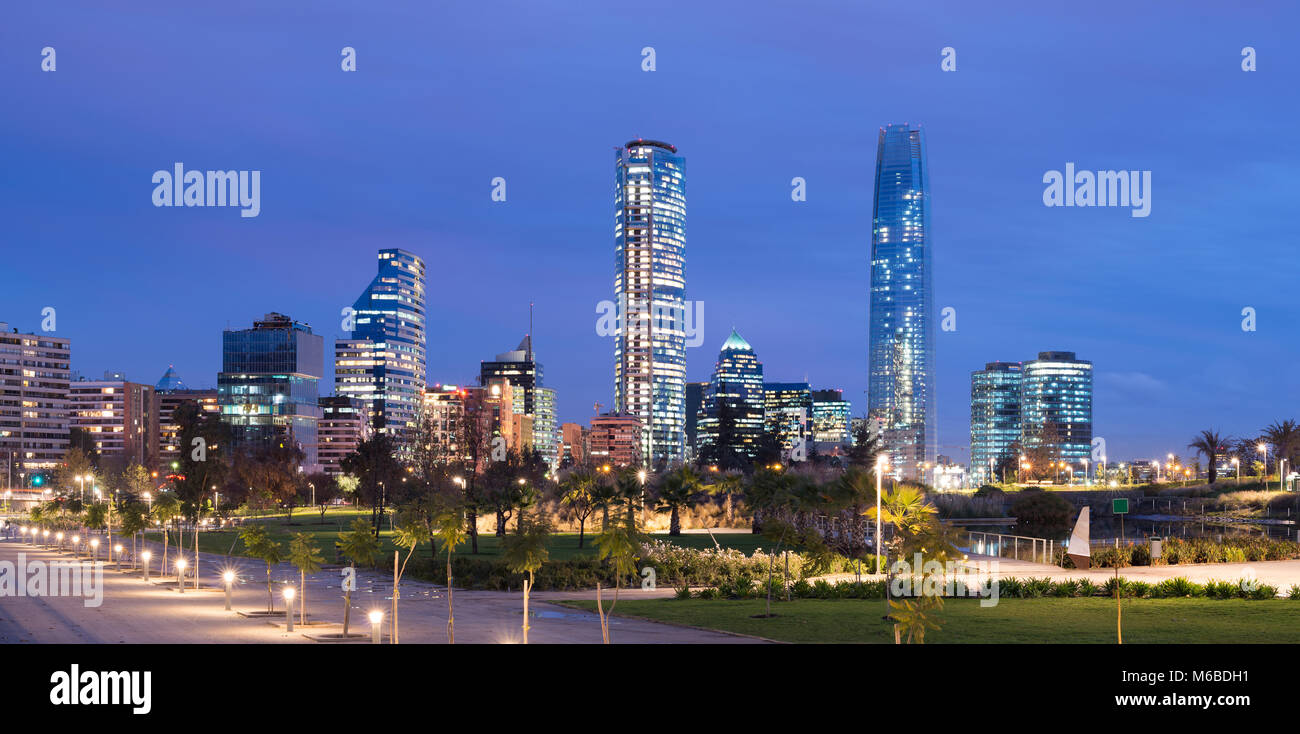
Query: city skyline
point(1137, 296)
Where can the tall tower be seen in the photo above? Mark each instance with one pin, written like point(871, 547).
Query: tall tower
point(900, 392)
point(994, 418)
point(383, 363)
point(730, 423)
point(1056, 406)
point(650, 293)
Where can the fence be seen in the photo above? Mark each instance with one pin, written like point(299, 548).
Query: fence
point(1019, 547)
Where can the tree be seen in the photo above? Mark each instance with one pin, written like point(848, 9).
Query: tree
point(259, 545)
point(677, 490)
point(358, 545)
point(410, 531)
point(166, 508)
point(325, 487)
point(76, 463)
point(728, 485)
point(136, 481)
point(1211, 444)
point(377, 472)
point(619, 545)
point(578, 499)
point(866, 444)
point(447, 521)
point(306, 557)
point(525, 552)
point(135, 520)
point(1284, 436)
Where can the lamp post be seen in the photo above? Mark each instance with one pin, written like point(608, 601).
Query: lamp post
point(118, 550)
point(288, 608)
point(59, 537)
point(1237, 463)
point(180, 575)
point(94, 549)
point(46, 537)
point(76, 546)
point(880, 470)
point(145, 556)
point(229, 578)
point(376, 617)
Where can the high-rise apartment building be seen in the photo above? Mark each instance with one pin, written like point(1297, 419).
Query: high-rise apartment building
point(119, 417)
point(34, 373)
point(650, 294)
point(171, 393)
point(383, 363)
point(901, 361)
point(344, 424)
point(615, 441)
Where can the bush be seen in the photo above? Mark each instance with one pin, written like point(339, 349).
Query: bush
point(1042, 510)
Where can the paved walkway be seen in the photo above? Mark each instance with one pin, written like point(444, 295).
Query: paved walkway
point(137, 612)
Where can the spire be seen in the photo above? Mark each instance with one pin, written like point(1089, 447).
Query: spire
point(170, 380)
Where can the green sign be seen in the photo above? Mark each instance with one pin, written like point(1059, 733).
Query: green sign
point(1119, 506)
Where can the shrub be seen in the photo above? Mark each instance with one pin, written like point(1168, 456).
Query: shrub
point(1042, 510)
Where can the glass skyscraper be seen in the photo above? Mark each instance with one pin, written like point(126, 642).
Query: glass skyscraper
point(383, 363)
point(268, 387)
point(788, 412)
point(650, 294)
point(1056, 406)
point(994, 417)
point(733, 405)
point(831, 418)
point(900, 388)
point(522, 370)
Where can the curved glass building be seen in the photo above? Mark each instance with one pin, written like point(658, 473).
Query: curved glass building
point(383, 363)
point(650, 294)
point(900, 390)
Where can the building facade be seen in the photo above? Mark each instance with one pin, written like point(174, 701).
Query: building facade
point(573, 444)
point(787, 413)
point(994, 418)
point(268, 387)
point(615, 441)
point(344, 424)
point(119, 417)
point(831, 416)
point(901, 319)
point(650, 295)
point(383, 363)
point(730, 422)
point(521, 369)
point(35, 370)
point(1056, 406)
point(172, 392)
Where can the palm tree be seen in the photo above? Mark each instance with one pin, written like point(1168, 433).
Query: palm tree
point(259, 545)
point(1210, 443)
point(359, 545)
point(677, 490)
point(1285, 439)
point(307, 558)
point(410, 533)
point(620, 544)
point(525, 552)
point(577, 497)
point(728, 486)
point(447, 520)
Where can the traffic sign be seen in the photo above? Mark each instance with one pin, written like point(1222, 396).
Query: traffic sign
point(1119, 506)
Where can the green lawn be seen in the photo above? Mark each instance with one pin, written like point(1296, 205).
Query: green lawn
point(563, 546)
point(1024, 621)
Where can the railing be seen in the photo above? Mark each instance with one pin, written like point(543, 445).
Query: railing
point(1019, 547)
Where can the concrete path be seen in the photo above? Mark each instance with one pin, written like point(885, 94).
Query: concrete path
point(133, 611)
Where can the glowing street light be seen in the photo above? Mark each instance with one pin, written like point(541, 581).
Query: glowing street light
point(288, 607)
point(46, 537)
point(180, 575)
point(76, 546)
point(376, 618)
point(145, 556)
point(118, 550)
point(94, 549)
point(229, 578)
point(59, 537)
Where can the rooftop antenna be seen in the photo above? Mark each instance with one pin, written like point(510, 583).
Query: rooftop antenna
point(530, 331)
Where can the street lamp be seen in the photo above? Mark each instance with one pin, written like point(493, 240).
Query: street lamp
point(59, 537)
point(1263, 449)
point(229, 578)
point(118, 550)
point(76, 546)
point(1237, 463)
point(94, 549)
point(881, 463)
point(180, 575)
point(376, 616)
point(145, 556)
point(288, 608)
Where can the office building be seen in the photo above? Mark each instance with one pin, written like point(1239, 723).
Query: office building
point(1056, 407)
point(119, 417)
point(344, 424)
point(730, 422)
point(994, 419)
point(615, 441)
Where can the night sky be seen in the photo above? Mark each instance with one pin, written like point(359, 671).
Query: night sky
point(450, 95)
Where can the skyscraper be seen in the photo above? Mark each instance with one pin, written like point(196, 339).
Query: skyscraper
point(650, 294)
point(383, 363)
point(120, 418)
point(268, 387)
point(900, 390)
point(730, 423)
point(994, 418)
point(787, 413)
point(34, 374)
point(831, 414)
point(1056, 406)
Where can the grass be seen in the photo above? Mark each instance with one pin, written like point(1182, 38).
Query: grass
point(562, 546)
point(1015, 621)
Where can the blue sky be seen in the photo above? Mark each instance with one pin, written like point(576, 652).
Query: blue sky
point(401, 154)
